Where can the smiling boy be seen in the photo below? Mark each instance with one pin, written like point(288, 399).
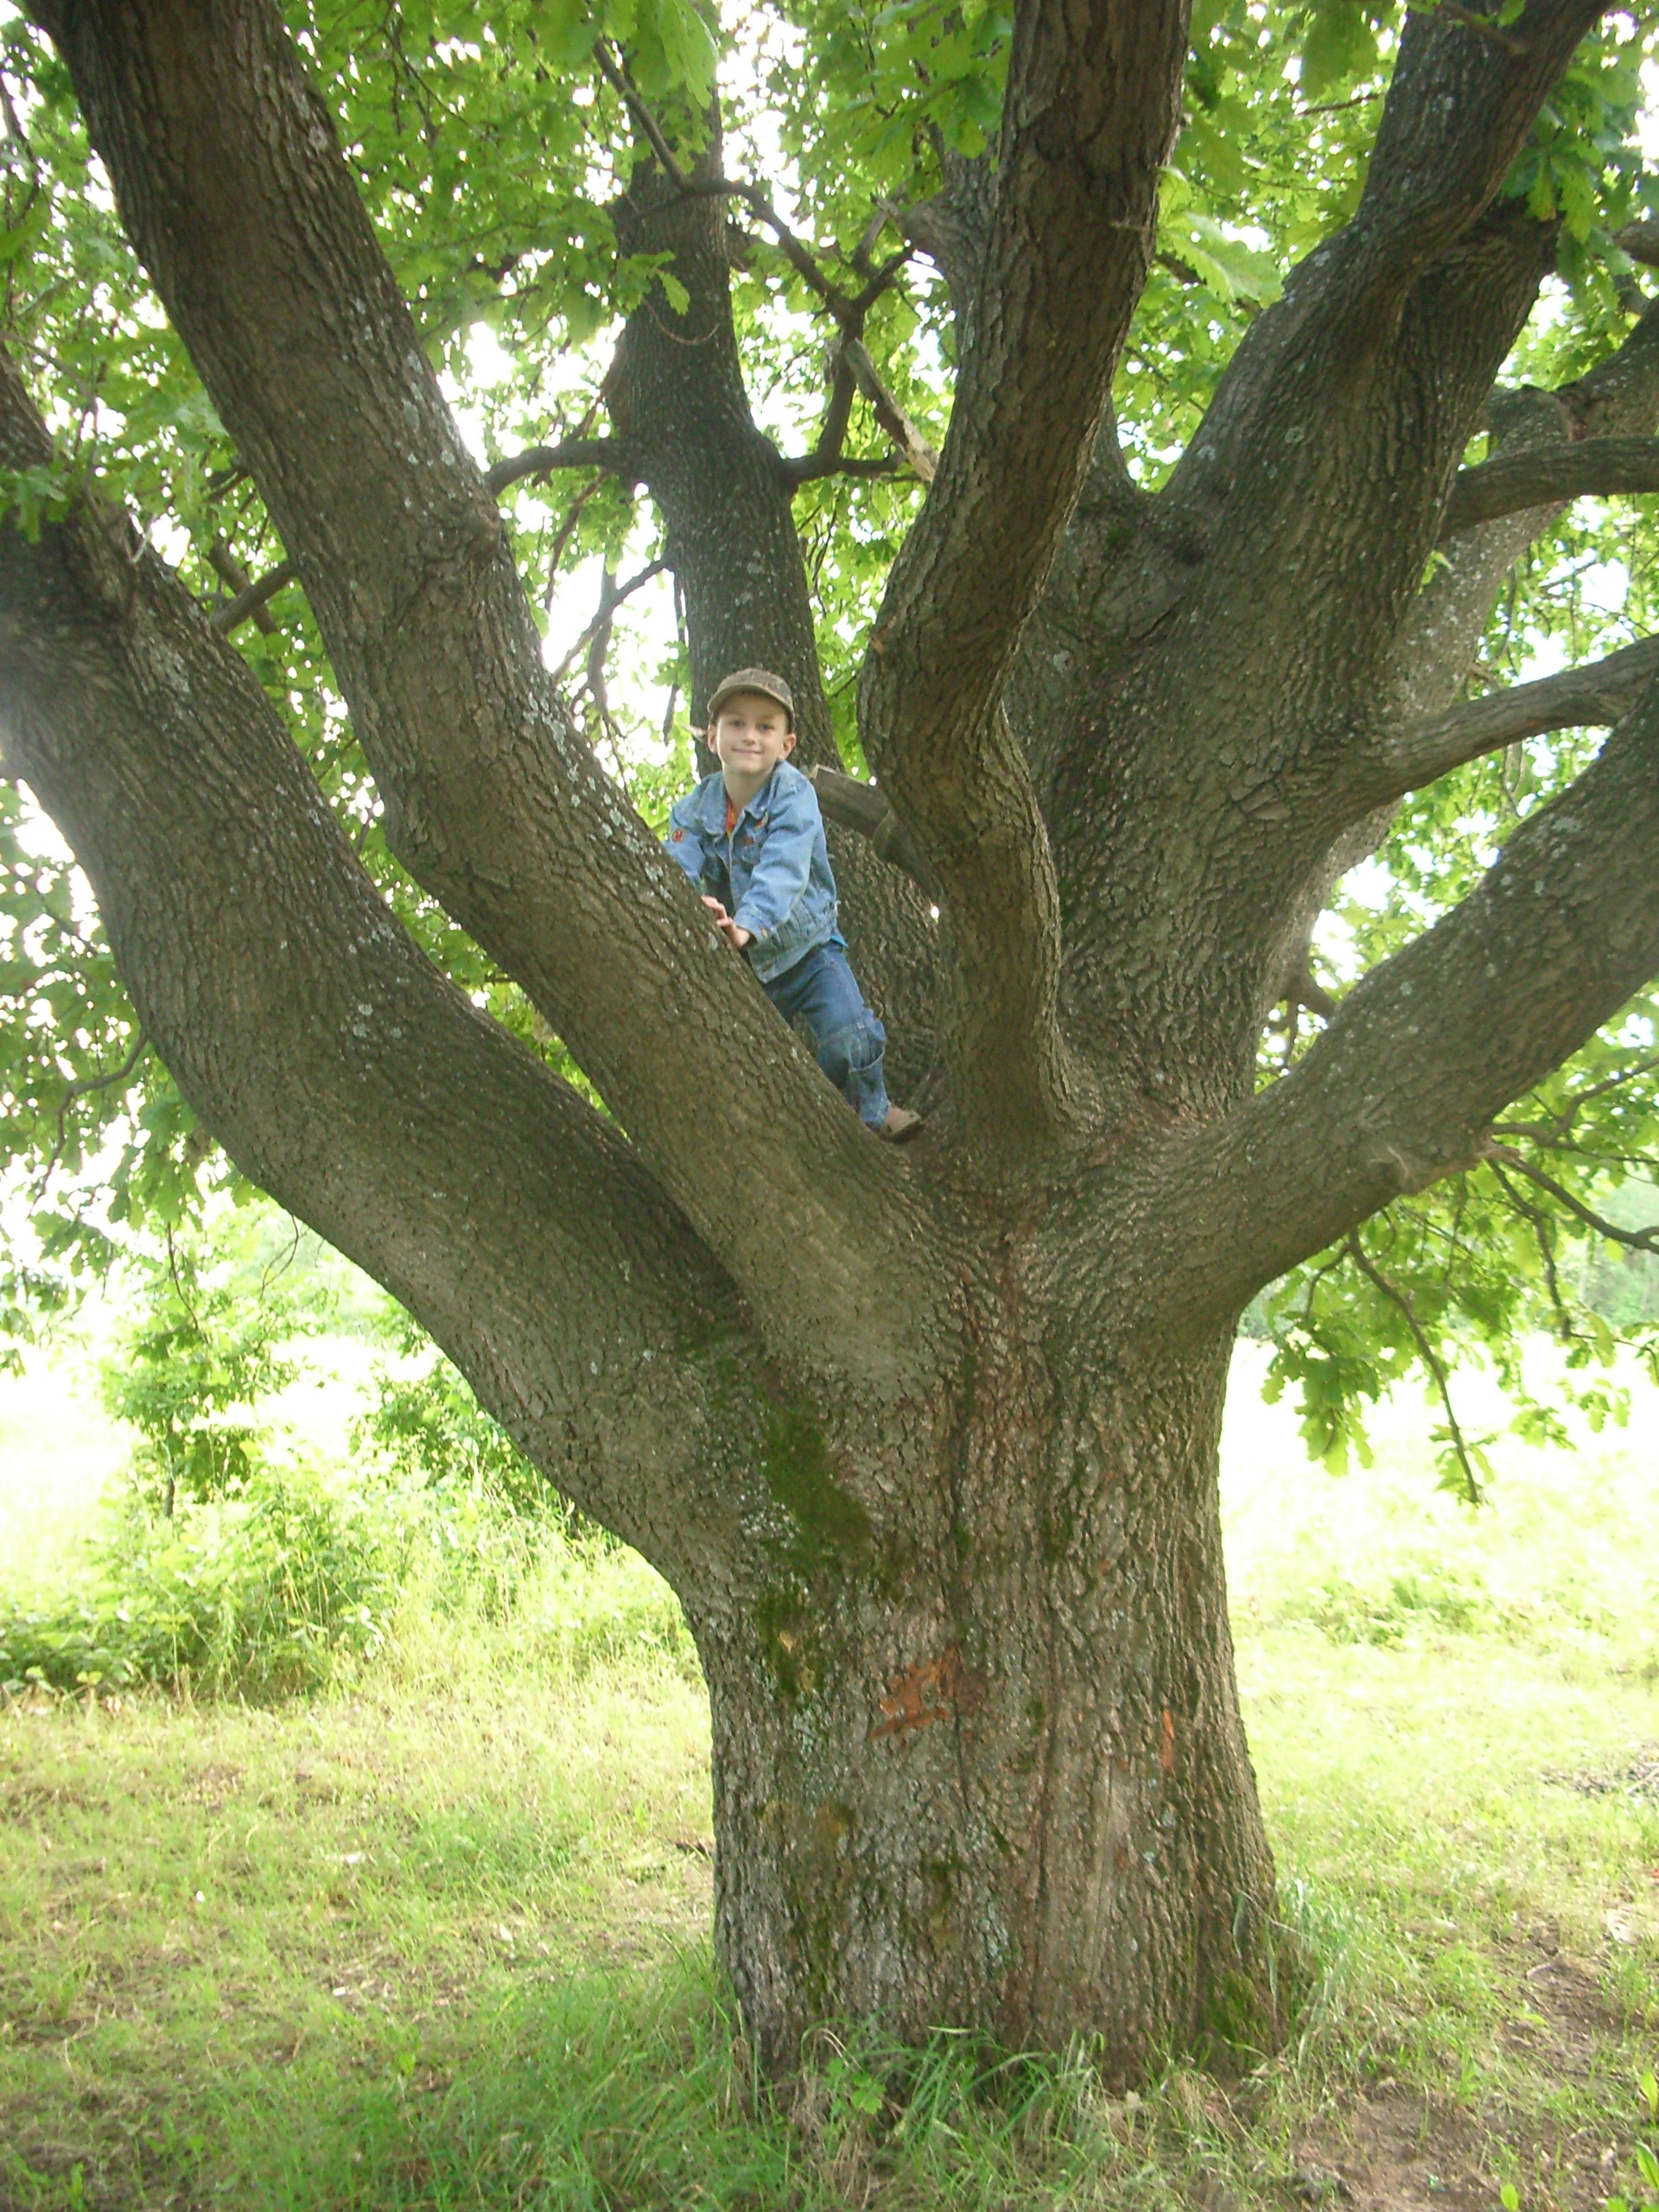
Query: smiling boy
point(751, 838)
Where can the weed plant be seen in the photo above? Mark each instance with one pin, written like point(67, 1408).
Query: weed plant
point(264, 1593)
point(295, 1583)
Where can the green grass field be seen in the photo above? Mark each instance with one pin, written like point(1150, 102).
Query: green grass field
point(439, 1939)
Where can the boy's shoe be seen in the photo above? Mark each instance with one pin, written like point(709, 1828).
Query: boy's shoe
point(901, 1125)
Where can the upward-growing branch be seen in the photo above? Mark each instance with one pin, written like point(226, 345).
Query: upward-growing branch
point(234, 189)
point(1404, 1086)
point(1345, 409)
point(1089, 116)
point(339, 1069)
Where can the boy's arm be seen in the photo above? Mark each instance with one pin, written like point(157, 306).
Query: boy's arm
point(785, 862)
point(684, 840)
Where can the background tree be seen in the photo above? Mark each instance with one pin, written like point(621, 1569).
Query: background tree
point(925, 1442)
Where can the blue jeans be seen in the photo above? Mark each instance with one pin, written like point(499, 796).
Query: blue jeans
point(821, 990)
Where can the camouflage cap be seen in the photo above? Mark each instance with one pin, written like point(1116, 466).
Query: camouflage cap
point(753, 679)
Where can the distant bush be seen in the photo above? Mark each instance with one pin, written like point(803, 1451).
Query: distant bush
point(295, 1583)
point(427, 1427)
point(228, 1567)
point(257, 1596)
point(187, 1373)
point(1409, 1601)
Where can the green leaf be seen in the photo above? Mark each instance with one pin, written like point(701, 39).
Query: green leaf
point(1339, 48)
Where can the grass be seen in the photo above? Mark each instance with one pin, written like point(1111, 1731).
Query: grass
point(442, 1941)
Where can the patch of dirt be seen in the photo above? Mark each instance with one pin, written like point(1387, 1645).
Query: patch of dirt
point(1638, 1778)
point(1397, 2150)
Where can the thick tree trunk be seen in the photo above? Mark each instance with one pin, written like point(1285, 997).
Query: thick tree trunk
point(997, 1778)
point(943, 1510)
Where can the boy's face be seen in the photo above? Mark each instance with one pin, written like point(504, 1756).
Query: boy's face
point(751, 735)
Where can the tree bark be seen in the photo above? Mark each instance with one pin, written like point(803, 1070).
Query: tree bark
point(925, 1441)
point(999, 1781)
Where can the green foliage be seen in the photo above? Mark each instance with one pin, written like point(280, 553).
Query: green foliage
point(1645, 2154)
point(429, 1430)
point(187, 1373)
point(262, 1595)
point(490, 146)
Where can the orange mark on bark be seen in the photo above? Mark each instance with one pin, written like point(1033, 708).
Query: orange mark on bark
point(1166, 1749)
point(933, 1689)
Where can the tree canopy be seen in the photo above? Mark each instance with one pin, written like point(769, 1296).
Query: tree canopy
point(1159, 452)
point(492, 148)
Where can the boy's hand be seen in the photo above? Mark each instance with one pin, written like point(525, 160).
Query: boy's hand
point(737, 938)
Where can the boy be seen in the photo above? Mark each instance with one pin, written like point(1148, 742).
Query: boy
point(751, 838)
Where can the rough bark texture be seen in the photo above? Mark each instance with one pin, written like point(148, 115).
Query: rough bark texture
point(1036, 1809)
point(926, 1441)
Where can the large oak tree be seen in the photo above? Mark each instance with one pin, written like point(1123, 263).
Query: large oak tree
point(925, 1440)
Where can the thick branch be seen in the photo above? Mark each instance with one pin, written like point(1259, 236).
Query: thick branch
point(1338, 418)
point(1089, 115)
point(1404, 1086)
point(1597, 695)
point(1458, 109)
point(340, 1071)
point(248, 601)
point(1595, 468)
point(862, 807)
point(614, 455)
point(230, 180)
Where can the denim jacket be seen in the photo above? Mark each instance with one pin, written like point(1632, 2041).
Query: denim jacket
point(772, 874)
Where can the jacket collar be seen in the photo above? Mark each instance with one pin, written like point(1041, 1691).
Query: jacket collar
point(712, 807)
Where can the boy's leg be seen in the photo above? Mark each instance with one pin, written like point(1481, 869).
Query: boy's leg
point(821, 990)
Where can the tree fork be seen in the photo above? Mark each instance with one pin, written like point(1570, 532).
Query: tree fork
point(730, 537)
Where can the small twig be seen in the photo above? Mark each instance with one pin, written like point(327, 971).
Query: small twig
point(231, 573)
point(1556, 1131)
point(1338, 107)
point(275, 1270)
point(828, 456)
point(892, 418)
point(832, 431)
point(1543, 1237)
point(880, 215)
point(1636, 1240)
point(1432, 1360)
point(611, 597)
point(808, 469)
point(881, 280)
point(617, 78)
point(849, 312)
point(81, 1089)
point(567, 530)
point(250, 601)
point(1302, 988)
